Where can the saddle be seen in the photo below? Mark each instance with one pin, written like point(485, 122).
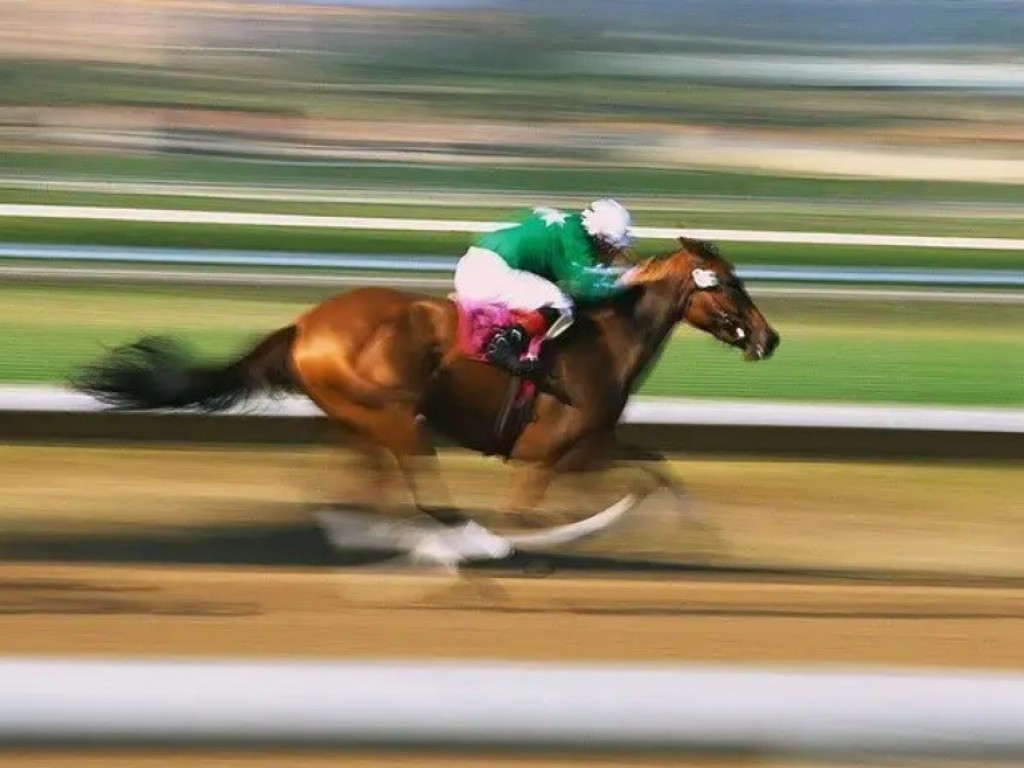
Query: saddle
point(477, 324)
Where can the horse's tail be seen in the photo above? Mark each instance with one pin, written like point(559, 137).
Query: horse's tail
point(157, 372)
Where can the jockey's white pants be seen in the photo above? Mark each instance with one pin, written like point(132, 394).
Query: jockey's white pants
point(482, 275)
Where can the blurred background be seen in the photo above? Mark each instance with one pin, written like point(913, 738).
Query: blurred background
point(877, 123)
point(878, 118)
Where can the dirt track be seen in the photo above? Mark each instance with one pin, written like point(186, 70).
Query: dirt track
point(322, 613)
point(113, 504)
point(183, 611)
point(247, 507)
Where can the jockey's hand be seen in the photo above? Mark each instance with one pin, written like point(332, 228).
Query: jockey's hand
point(627, 278)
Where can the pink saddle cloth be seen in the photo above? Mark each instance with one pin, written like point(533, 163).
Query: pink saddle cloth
point(478, 322)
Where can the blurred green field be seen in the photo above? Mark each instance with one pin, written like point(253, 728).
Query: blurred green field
point(506, 176)
point(853, 351)
point(706, 200)
point(772, 215)
point(325, 240)
point(832, 351)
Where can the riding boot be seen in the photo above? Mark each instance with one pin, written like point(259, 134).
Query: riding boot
point(505, 347)
point(547, 322)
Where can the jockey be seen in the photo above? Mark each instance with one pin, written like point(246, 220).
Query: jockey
point(539, 268)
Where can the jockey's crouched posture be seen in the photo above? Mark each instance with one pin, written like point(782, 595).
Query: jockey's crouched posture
point(539, 267)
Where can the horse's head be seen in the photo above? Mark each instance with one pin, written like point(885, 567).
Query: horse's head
point(710, 296)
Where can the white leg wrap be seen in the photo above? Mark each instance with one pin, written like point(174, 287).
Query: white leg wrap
point(473, 540)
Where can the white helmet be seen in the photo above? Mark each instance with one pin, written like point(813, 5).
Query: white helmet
point(608, 220)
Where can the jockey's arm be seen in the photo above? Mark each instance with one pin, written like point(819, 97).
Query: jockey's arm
point(582, 275)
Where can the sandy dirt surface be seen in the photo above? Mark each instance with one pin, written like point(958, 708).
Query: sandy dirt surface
point(95, 611)
point(141, 503)
point(764, 594)
point(85, 506)
point(327, 613)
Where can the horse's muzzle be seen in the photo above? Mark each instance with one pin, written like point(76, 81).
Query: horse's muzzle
point(761, 345)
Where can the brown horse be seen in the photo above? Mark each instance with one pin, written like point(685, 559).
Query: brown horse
point(384, 364)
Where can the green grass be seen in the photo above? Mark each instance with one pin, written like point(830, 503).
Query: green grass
point(840, 351)
point(507, 177)
point(813, 367)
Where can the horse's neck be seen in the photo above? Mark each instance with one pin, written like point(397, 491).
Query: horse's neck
point(645, 325)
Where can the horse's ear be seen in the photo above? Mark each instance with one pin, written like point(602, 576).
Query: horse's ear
point(702, 249)
point(693, 247)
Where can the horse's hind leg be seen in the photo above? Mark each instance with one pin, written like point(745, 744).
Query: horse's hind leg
point(369, 488)
point(417, 459)
point(462, 538)
point(398, 434)
point(366, 493)
point(401, 434)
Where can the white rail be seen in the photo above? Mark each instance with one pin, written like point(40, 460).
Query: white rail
point(229, 218)
point(649, 410)
point(513, 707)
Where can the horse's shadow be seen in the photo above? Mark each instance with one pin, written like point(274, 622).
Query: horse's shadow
point(263, 545)
point(304, 545)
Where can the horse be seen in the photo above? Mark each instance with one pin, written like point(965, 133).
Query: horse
point(385, 365)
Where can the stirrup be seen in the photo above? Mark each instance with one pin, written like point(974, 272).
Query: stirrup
point(556, 321)
point(560, 325)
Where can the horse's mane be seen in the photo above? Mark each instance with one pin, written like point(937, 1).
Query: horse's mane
point(650, 275)
point(660, 265)
point(651, 271)
point(703, 248)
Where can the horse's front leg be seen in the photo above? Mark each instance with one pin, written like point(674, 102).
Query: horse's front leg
point(530, 483)
point(660, 475)
point(655, 467)
point(538, 467)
